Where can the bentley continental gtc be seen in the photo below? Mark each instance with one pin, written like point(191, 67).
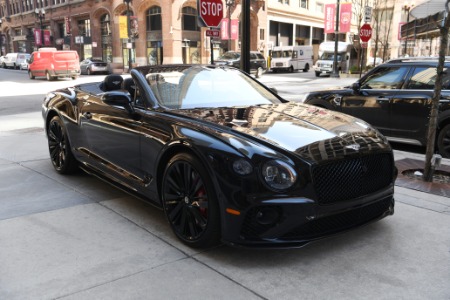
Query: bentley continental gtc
point(224, 157)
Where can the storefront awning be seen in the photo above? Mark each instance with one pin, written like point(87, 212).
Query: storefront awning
point(429, 15)
point(427, 8)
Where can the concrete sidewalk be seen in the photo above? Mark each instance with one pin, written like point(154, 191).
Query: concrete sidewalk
point(74, 237)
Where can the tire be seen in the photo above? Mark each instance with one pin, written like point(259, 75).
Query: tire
point(30, 74)
point(317, 74)
point(443, 141)
point(190, 203)
point(88, 71)
point(15, 67)
point(48, 76)
point(74, 77)
point(291, 69)
point(259, 72)
point(306, 69)
point(3, 65)
point(59, 147)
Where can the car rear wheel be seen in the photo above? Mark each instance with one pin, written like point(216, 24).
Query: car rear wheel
point(317, 74)
point(291, 69)
point(30, 75)
point(190, 203)
point(59, 147)
point(306, 69)
point(443, 142)
point(48, 76)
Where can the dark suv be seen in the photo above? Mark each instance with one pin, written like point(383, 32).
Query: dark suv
point(395, 97)
point(258, 63)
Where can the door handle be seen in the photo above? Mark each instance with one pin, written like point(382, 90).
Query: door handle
point(383, 99)
point(87, 115)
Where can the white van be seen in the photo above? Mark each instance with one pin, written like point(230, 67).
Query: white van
point(291, 58)
point(324, 66)
point(13, 60)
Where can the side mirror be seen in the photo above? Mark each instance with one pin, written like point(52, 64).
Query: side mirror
point(356, 86)
point(117, 98)
point(274, 90)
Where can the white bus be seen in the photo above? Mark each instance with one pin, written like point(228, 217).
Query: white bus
point(291, 58)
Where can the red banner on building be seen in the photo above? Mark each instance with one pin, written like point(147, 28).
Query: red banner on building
point(67, 25)
point(330, 12)
point(38, 37)
point(345, 17)
point(234, 28)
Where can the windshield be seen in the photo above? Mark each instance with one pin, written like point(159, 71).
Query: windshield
point(330, 56)
point(279, 53)
point(207, 87)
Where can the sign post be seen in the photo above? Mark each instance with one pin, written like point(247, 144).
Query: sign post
point(210, 12)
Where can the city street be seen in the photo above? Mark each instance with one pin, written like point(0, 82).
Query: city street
point(75, 237)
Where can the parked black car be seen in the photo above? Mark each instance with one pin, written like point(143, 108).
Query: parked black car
point(258, 64)
point(395, 98)
point(93, 65)
point(225, 157)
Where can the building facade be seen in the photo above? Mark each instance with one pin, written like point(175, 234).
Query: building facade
point(162, 31)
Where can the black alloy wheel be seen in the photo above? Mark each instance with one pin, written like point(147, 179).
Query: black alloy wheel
point(190, 203)
point(59, 147)
point(443, 142)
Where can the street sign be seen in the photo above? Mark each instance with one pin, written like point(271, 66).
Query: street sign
point(368, 14)
point(213, 33)
point(365, 33)
point(211, 12)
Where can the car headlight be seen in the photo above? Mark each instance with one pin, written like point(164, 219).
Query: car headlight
point(278, 175)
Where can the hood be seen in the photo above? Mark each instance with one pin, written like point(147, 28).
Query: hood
point(292, 126)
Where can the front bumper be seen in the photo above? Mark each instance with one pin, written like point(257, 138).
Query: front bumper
point(295, 222)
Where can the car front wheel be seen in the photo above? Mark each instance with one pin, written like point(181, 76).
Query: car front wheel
point(190, 203)
point(48, 76)
point(59, 147)
point(30, 75)
point(88, 71)
point(443, 142)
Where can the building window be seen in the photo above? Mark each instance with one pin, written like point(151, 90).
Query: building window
point(261, 34)
point(105, 25)
point(84, 27)
point(190, 19)
point(154, 21)
point(303, 4)
point(319, 7)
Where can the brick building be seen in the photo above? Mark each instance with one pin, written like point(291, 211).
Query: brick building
point(166, 30)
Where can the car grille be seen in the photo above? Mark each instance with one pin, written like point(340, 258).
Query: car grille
point(352, 178)
point(335, 223)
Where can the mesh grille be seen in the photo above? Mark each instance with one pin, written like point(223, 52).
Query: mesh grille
point(336, 223)
point(352, 178)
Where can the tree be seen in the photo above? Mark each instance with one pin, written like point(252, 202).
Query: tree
point(431, 137)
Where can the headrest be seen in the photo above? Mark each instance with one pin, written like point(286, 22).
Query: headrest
point(129, 85)
point(112, 82)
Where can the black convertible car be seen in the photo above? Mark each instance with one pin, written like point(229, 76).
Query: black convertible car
point(224, 156)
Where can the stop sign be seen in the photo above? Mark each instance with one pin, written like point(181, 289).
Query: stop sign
point(211, 12)
point(365, 33)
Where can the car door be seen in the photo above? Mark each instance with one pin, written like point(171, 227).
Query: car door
point(410, 108)
point(372, 101)
point(113, 137)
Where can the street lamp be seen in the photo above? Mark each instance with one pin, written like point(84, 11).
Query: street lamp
point(40, 14)
point(1, 38)
point(129, 34)
point(229, 4)
point(407, 7)
point(335, 73)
